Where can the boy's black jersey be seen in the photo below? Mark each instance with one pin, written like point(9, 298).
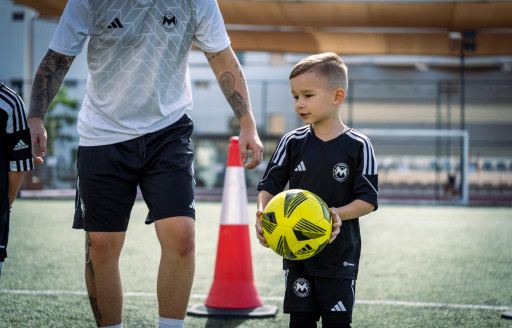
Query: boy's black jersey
point(15, 143)
point(340, 171)
point(15, 153)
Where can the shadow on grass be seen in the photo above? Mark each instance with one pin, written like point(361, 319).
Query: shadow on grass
point(225, 323)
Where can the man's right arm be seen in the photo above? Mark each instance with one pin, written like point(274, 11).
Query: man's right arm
point(47, 81)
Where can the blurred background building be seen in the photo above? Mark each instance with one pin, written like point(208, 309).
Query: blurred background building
point(401, 77)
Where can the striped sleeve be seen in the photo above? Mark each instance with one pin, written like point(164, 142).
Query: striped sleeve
point(369, 162)
point(280, 153)
point(277, 173)
point(18, 143)
point(366, 184)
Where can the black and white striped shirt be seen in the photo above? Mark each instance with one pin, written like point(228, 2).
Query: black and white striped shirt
point(15, 142)
point(340, 171)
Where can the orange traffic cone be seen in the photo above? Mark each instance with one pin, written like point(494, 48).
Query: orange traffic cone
point(233, 292)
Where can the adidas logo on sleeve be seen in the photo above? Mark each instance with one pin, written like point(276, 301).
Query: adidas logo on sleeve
point(20, 145)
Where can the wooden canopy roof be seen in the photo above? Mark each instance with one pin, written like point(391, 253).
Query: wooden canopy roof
point(375, 27)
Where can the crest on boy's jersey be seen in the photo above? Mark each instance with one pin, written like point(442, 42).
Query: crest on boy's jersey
point(340, 172)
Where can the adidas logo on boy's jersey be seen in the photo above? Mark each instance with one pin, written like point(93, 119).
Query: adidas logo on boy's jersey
point(20, 145)
point(301, 167)
point(116, 23)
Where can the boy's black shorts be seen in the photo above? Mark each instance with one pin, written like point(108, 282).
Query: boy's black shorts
point(160, 163)
point(330, 298)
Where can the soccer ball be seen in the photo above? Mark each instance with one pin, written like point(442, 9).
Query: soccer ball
point(296, 224)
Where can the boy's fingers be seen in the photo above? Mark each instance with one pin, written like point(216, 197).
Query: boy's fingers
point(336, 224)
point(259, 230)
point(262, 241)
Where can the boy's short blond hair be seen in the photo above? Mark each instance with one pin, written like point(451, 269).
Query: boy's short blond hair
point(326, 64)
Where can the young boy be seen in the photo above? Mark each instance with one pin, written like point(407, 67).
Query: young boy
point(338, 164)
point(15, 157)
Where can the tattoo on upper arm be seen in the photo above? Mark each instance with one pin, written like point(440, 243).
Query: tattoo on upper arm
point(210, 56)
point(47, 81)
point(234, 98)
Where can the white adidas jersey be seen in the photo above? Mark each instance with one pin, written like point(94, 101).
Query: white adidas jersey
point(137, 56)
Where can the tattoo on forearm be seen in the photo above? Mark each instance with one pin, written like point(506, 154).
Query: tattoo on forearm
point(90, 281)
point(234, 98)
point(227, 83)
point(242, 75)
point(47, 81)
point(238, 104)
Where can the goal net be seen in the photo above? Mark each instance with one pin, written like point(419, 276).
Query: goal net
point(422, 165)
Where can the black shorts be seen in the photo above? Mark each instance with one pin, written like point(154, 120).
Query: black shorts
point(330, 298)
point(161, 163)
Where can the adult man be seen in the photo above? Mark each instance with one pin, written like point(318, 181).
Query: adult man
point(134, 130)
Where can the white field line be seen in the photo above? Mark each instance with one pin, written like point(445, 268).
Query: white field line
point(272, 298)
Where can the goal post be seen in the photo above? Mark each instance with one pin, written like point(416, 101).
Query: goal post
point(434, 135)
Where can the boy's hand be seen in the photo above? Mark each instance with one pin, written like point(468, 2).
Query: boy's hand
point(259, 230)
point(336, 224)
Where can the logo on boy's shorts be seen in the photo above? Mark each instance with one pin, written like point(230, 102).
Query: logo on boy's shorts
point(301, 287)
point(168, 21)
point(340, 172)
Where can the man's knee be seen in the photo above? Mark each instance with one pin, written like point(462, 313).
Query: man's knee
point(177, 236)
point(183, 247)
point(104, 243)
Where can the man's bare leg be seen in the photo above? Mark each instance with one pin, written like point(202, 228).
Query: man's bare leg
point(177, 265)
point(102, 277)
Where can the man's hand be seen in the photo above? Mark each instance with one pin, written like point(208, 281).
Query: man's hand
point(249, 140)
point(336, 224)
point(38, 136)
point(259, 230)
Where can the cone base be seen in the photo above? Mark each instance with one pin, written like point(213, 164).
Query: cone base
point(233, 295)
point(264, 311)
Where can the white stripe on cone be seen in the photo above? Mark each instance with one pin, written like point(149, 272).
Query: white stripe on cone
point(234, 197)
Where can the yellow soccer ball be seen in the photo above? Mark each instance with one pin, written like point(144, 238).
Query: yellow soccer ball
point(296, 224)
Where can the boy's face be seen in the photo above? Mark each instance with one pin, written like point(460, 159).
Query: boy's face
point(314, 99)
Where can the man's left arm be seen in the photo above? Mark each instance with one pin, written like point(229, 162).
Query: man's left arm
point(231, 79)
